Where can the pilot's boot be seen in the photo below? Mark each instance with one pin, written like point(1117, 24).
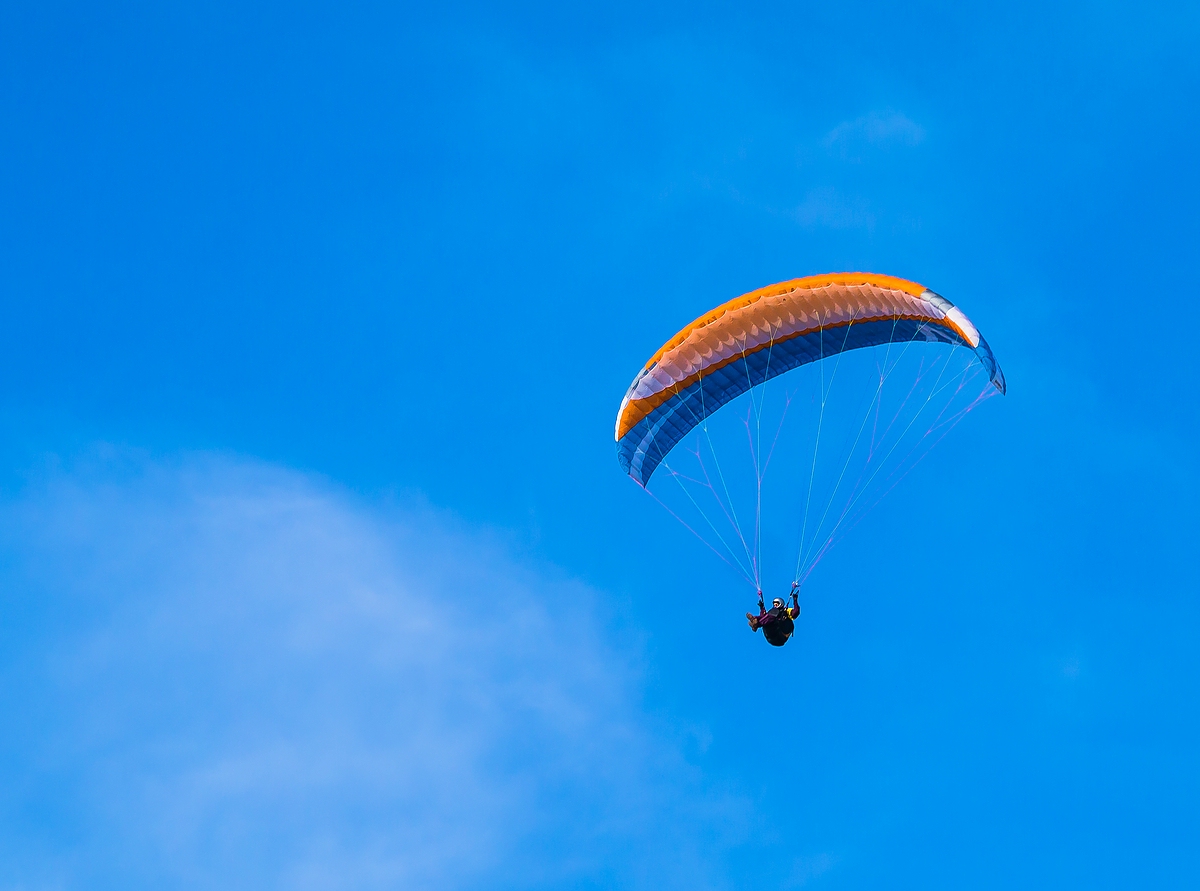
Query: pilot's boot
point(753, 620)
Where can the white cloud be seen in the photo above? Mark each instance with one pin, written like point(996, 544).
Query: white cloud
point(233, 676)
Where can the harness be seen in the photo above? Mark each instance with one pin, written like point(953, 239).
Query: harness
point(778, 627)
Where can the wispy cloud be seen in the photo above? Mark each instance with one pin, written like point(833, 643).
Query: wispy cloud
point(229, 675)
point(877, 129)
point(827, 207)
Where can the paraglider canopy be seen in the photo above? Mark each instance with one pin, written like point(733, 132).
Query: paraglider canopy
point(868, 371)
point(763, 334)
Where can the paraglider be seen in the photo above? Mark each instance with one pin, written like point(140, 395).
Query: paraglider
point(890, 329)
point(778, 622)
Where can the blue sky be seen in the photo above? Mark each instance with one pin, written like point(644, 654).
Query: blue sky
point(315, 322)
